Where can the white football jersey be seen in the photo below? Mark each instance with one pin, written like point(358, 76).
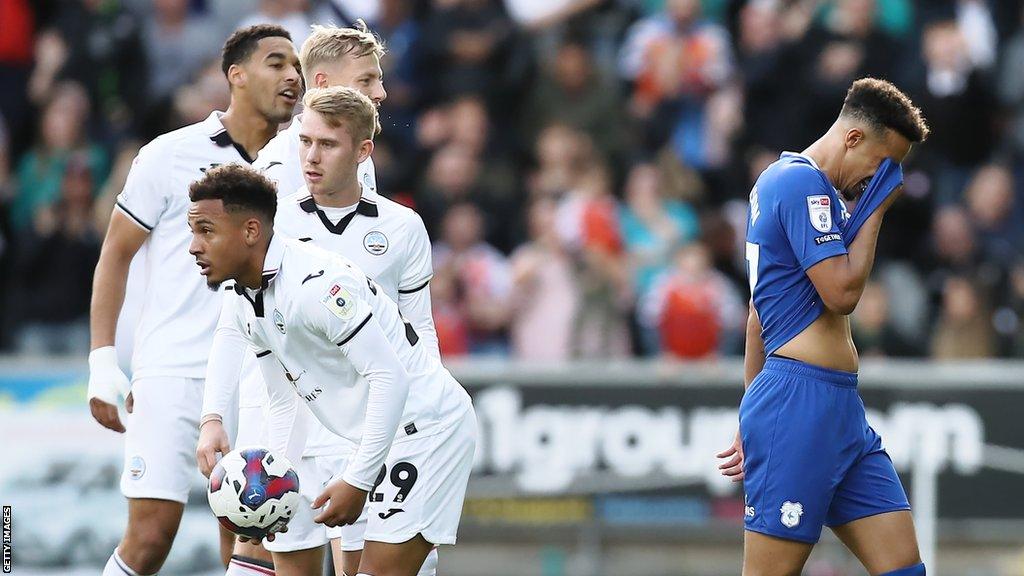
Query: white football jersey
point(279, 160)
point(179, 312)
point(313, 304)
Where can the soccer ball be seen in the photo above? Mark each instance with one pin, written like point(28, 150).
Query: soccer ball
point(253, 493)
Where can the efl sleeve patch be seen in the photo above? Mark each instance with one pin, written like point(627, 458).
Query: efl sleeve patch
point(819, 209)
point(339, 302)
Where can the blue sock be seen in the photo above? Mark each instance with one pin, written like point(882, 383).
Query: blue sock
point(915, 570)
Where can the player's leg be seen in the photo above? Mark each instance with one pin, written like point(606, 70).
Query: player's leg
point(870, 512)
point(402, 559)
point(300, 562)
point(248, 559)
point(346, 562)
point(884, 543)
point(160, 468)
point(152, 525)
point(418, 504)
point(765, 555)
point(227, 544)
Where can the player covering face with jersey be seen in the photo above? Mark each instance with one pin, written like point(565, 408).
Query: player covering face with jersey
point(804, 450)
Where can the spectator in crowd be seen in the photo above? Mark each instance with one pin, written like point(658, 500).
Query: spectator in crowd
point(653, 228)
point(544, 290)
point(959, 108)
point(464, 43)
point(57, 255)
point(1010, 86)
point(964, 328)
point(292, 15)
point(694, 309)
point(588, 224)
point(570, 90)
point(481, 277)
point(61, 136)
point(872, 328)
point(99, 46)
point(996, 214)
point(177, 44)
point(676, 61)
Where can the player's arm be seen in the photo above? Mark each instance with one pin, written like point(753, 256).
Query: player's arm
point(137, 210)
point(804, 210)
point(753, 363)
point(220, 391)
point(348, 321)
point(414, 288)
point(840, 280)
point(287, 423)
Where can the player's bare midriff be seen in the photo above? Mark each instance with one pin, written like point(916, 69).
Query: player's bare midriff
point(827, 342)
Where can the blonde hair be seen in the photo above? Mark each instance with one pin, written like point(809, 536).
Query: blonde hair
point(340, 105)
point(329, 43)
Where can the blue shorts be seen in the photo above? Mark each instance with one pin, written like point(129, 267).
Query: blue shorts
point(810, 458)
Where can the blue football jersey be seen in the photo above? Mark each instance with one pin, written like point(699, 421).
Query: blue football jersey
point(794, 222)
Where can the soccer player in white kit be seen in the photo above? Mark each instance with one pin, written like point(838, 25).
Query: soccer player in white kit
point(164, 397)
point(387, 240)
point(317, 321)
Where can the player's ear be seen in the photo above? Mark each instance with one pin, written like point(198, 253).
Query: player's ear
point(252, 231)
point(320, 80)
point(854, 136)
point(365, 149)
point(236, 76)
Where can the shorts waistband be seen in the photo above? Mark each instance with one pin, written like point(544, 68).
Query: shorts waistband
point(791, 366)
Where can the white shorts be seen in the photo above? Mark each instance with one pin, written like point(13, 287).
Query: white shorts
point(315, 473)
point(160, 441)
point(424, 486)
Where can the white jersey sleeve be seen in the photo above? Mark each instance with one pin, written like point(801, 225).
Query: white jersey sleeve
point(347, 321)
point(413, 287)
point(287, 422)
point(279, 160)
point(224, 366)
point(145, 195)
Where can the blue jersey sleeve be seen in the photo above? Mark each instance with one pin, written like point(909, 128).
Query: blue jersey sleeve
point(810, 215)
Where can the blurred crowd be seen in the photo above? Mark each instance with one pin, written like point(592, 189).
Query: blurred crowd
point(582, 166)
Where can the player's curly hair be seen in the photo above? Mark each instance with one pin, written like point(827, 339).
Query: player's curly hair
point(242, 43)
point(241, 188)
point(883, 105)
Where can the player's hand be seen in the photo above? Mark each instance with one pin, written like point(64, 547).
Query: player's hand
point(346, 504)
point(212, 440)
point(106, 383)
point(733, 467)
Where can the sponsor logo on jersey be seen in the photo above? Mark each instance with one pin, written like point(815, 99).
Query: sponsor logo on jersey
point(279, 320)
point(819, 209)
point(375, 242)
point(339, 302)
point(791, 513)
point(391, 512)
point(827, 238)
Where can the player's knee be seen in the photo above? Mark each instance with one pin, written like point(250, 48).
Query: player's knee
point(915, 570)
point(146, 548)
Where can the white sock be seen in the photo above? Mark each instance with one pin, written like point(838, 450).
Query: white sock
point(429, 567)
point(116, 567)
point(242, 566)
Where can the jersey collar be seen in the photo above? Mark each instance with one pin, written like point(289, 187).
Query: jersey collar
point(804, 156)
point(272, 261)
point(218, 133)
point(365, 207)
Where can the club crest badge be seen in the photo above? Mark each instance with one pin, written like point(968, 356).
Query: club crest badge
point(791, 513)
point(375, 242)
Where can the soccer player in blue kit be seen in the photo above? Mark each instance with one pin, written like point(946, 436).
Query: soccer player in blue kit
point(804, 450)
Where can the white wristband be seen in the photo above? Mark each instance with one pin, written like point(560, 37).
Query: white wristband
point(106, 380)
